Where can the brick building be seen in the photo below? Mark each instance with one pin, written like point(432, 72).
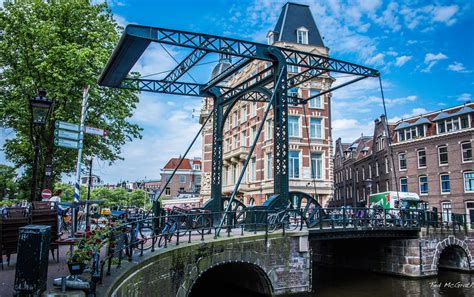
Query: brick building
point(310, 162)
point(432, 154)
point(187, 178)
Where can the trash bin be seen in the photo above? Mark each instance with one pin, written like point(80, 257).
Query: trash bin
point(32, 260)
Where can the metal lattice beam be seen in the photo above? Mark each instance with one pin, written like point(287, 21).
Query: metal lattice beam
point(136, 39)
point(158, 86)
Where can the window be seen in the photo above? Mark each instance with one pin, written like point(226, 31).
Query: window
point(197, 167)
point(243, 138)
point(403, 184)
point(469, 181)
point(293, 126)
point(234, 141)
point(269, 129)
point(387, 167)
point(253, 109)
point(445, 183)
point(293, 68)
point(421, 130)
point(465, 121)
point(234, 173)
point(466, 149)
point(370, 170)
point(363, 173)
point(254, 133)
point(269, 166)
point(315, 102)
point(235, 118)
point(293, 92)
point(302, 35)
point(402, 159)
point(377, 169)
point(443, 155)
point(294, 166)
point(316, 165)
point(315, 128)
point(253, 169)
point(423, 182)
point(243, 114)
point(270, 38)
point(441, 127)
point(401, 135)
point(452, 124)
point(181, 189)
point(168, 191)
point(421, 158)
point(198, 180)
point(182, 179)
point(446, 209)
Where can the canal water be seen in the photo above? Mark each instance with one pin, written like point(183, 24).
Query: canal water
point(342, 282)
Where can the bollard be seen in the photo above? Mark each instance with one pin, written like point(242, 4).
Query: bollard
point(32, 260)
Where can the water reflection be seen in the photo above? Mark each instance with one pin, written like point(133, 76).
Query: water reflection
point(341, 282)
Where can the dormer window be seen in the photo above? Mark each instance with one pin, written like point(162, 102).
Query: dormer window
point(270, 38)
point(302, 35)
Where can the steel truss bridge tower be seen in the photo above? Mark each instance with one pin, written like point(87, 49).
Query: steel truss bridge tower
point(271, 82)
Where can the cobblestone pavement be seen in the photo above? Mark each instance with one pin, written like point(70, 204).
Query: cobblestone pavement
point(55, 269)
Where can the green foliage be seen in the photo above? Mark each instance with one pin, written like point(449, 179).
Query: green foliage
point(120, 197)
point(60, 46)
point(8, 186)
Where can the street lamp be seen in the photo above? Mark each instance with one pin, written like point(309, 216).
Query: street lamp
point(40, 107)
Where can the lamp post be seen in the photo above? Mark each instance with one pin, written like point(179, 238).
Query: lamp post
point(40, 108)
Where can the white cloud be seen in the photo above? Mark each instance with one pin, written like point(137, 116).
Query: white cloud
point(465, 97)
point(414, 112)
point(350, 129)
point(458, 67)
point(378, 59)
point(390, 17)
point(431, 60)
point(445, 14)
point(400, 61)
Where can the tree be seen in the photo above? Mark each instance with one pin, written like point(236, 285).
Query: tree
point(8, 186)
point(60, 46)
point(137, 198)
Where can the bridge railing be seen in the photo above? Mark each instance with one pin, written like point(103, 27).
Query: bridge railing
point(382, 218)
point(135, 236)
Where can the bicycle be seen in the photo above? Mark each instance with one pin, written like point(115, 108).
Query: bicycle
point(287, 218)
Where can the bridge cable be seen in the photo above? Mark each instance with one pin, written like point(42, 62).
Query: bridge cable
point(172, 57)
point(184, 156)
point(389, 138)
point(313, 177)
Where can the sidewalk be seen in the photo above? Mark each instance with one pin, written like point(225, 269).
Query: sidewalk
point(55, 269)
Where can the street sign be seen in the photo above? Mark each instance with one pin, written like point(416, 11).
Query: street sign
point(95, 131)
point(46, 194)
point(66, 134)
point(62, 142)
point(67, 126)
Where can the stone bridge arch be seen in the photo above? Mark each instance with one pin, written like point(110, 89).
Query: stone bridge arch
point(237, 278)
point(281, 264)
point(452, 253)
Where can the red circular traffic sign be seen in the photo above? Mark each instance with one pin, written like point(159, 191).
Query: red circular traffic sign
point(46, 194)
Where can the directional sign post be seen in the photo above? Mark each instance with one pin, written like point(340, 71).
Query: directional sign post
point(66, 143)
point(67, 135)
point(95, 131)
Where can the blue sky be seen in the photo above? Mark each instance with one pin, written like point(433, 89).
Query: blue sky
point(424, 50)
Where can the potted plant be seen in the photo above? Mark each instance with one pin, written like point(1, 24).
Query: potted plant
point(86, 247)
